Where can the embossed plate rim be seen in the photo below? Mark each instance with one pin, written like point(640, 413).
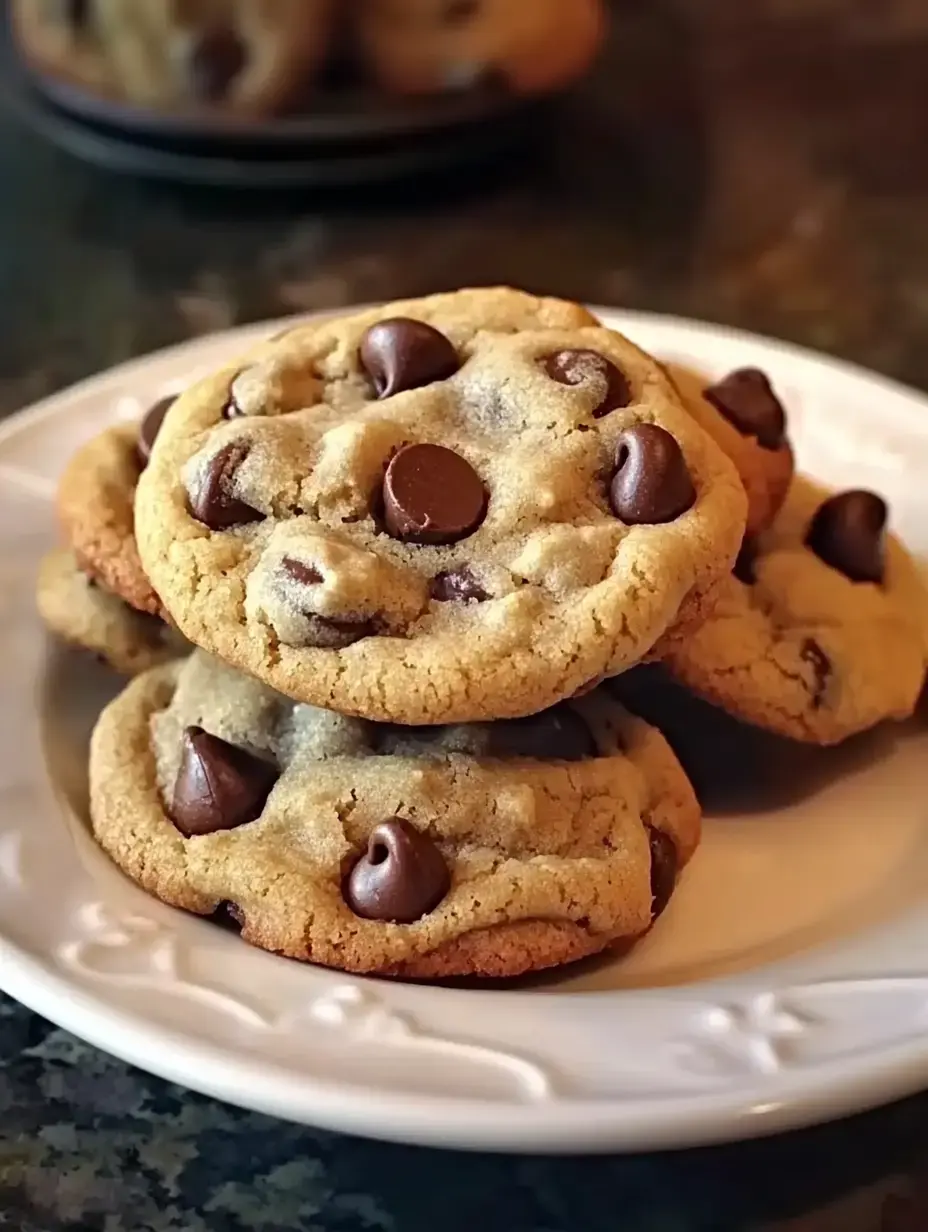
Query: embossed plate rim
point(703, 1062)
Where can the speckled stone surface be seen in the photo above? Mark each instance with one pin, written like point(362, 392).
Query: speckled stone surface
point(760, 164)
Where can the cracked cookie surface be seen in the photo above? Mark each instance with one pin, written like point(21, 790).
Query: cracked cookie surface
point(443, 510)
point(82, 613)
point(826, 637)
point(251, 57)
point(462, 850)
point(746, 419)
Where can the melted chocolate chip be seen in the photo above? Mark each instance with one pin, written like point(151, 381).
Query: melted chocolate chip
point(811, 652)
point(582, 367)
point(219, 786)
point(216, 58)
point(663, 869)
point(558, 734)
point(457, 586)
point(76, 13)
point(744, 565)
point(400, 878)
point(327, 632)
point(457, 12)
point(746, 398)
point(229, 915)
point(400, 354)
point(211, 501)
point(651, 483)
point(306, 575)
point(847, 533)
point(151, 426)
point(432, 495)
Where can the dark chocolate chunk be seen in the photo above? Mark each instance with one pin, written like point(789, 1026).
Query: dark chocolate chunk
point(219, 786)
point(847, 533)
point(327, 632)
point(400, 354)
point(558, 734)
point(457, 12)
point(211, 501)
point(151, 426)
point(432, 495)
point(663, 869)
point(216, 59)
point(400, 878)
point(580, 367)
point(457, 586)
point(76, 13)
point(651, 483)
point(746, 398)
point(744, 565)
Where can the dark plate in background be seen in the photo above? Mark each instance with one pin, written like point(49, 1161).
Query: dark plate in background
point(353, 138)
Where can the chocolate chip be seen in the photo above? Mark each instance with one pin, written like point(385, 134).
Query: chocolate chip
point(76, 13)
point(457, 586)
point(663, 869)
point(219, 786)
point(212, 502)
point(401, 353)
point(811, 652)
point(456, 12)
point(746, 398)
point(744, 565)
point(216, 58)
point(306, 575)
point(151, 426)
point(581, 367)
point(400, 878)
point(229, 915)
point(847, 534)
point(558, 734)
point(326, 632)
point(432, 495)
point(651, 483)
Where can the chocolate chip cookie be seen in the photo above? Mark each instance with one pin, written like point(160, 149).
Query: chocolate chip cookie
point(252, 57)
point(96, 498)
point(443, 510)
point(425, 46)
point(822, 633)
point(490, 850)
point(745, 417)
point(82, 613)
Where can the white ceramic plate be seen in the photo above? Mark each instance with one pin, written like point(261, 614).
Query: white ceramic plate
point(787, 983)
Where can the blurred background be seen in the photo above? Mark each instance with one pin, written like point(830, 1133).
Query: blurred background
point(761, 164)
point(755, 162)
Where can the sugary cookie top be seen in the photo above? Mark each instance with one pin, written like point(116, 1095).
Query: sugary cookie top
point(449, 509)
point(822, 633)
point(368, 846)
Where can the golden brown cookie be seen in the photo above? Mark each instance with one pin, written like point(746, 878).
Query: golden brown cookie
point(744, 417)
point(426, 46)
point(442, 510)
point(823, 632)
point(251, 57)
point(96, 498)
point(489, 849)
point(83, 614)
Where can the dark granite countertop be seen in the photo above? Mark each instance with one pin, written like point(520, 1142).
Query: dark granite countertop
point(759, 164)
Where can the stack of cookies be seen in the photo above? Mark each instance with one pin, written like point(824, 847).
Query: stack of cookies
point(416, 554)
point(251, 59)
